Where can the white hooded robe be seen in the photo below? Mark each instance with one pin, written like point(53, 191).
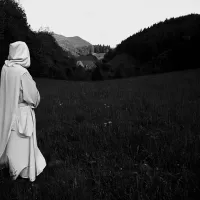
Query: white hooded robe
point(18, 97)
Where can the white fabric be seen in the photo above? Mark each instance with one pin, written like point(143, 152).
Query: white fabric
point(18, 97)
point(18, 54)
point(25, 121)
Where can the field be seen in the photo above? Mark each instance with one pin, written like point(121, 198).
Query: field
point(137, 138)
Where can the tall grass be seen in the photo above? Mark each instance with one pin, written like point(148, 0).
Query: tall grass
point(124, 139)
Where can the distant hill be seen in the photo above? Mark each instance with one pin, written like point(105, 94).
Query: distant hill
point(165, 46)
point(76, 41)
point(76, 45)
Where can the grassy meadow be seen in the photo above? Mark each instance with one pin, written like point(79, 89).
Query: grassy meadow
point(136, 138)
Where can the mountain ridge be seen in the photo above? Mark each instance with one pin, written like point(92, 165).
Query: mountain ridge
point(165, 46)
point(76, 45)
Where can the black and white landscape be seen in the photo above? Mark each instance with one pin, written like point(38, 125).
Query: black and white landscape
point(113, 123)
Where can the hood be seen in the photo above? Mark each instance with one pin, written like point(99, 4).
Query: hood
point(18, 55)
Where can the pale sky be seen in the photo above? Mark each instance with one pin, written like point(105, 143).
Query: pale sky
point(105, 22)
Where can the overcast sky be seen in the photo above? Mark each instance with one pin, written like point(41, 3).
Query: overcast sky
point(105, 22)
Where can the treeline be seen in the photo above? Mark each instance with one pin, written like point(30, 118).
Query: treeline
point(48, 59)
point(101, 48)
point(165, 46)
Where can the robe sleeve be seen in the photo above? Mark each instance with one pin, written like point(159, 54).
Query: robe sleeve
point(31, 94)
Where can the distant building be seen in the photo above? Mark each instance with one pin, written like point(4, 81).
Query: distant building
point(79, 63)
point(99, 56)
point(86, 64)
point(88, 61)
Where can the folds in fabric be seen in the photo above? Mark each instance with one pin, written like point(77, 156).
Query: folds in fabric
point(25, 121)
point(11, 72)
point(9, 96)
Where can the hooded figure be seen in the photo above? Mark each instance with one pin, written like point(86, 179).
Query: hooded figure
point(18, 98)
